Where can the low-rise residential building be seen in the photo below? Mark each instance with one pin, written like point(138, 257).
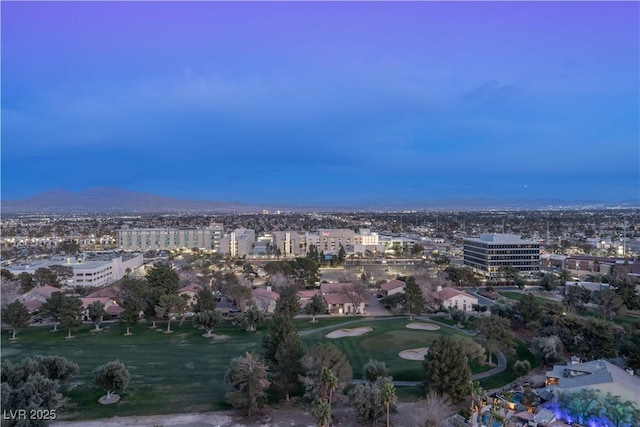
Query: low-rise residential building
point(341, 298)
point(265, 299)
point(392, 287)
point(451, 297)
point(598, 375)
point(110, 306)
point(34, 299)
point(190, 292)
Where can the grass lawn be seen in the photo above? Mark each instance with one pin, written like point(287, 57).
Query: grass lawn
point(170, 373)
point(184, 372)
point(383, 343)
point(508, 375)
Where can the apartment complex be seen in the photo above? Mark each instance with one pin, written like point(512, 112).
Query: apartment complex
point(143, 239)
point(238, 243)
point(487, 254)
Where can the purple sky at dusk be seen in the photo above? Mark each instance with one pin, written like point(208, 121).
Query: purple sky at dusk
point(323, 102)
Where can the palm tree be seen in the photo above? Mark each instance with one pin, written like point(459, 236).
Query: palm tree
point(388, 396)
point(321, 411)
point(329, 382)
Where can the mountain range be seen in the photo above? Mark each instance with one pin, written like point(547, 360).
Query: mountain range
point(96, 200)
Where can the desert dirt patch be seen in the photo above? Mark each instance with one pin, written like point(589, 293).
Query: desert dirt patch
point(414, 353)
point(423, 326)
point(345, 332)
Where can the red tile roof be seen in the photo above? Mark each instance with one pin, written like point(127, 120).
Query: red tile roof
point(393, 284)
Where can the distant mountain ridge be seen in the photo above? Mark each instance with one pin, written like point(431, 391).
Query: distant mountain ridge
point(109, 200)
point(102, 199)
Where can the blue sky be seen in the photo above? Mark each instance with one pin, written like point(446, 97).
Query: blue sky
point(326, 103)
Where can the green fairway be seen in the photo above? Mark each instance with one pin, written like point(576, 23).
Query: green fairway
point(170, 373)
point(383, 343)
point(184, 372)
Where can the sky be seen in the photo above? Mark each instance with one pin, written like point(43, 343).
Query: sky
point(322, 102)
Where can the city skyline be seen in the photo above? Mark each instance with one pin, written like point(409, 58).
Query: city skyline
point(323, 103)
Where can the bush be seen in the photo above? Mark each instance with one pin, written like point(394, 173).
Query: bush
point(522, 367)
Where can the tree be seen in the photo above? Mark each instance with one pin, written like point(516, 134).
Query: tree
point(281, 327)
point(324, 355)
point(461, 276)
point(629, 346)
point(575, 297)
point(96, 312)
point(547, 349)
point(476, 394)
point(62, 272)
point(316, 306)
point(521, 367)
point(414, 299)
point(33, 384)
point(548, 282)
point(342, 254)
point(620, 413)
point(288, 303)
point(7, 274)
point(497, 334)
point(417, 249)
point(472, 349)
point(447, 369)
point(113, 377)
point(209, 320)
point(26, 281)
point(597, 339)
point(329, 383)
point(204, 300)
point(373, 370)
point(389, 397)
point(164, 278)
point(458, 316)
point(367, 400)
point(251, 318)
point(287, 366)
point(68, 247)
point(248, 377)
point(130, 314)
point(43, 276)
point(321, 411)
point(15, 315)
point(582, 405)
point(170, 305)
point(529, 309)
point(51, 307)
point(610, 303)
point(70, 313)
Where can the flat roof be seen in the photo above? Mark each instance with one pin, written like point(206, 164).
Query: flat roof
point(499, 238)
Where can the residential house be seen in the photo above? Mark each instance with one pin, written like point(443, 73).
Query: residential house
point(599, 375)
point(306, 295)
point(392, 287)
point(342, 298)
point(34, 299)
point(265, 299)
point(450, 297)
point(110, 306)
point(190, 292)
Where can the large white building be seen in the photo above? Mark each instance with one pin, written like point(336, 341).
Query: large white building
point(238, 243)
point(142, 239)
point(290, 242)
point(489, 253)
point(94, 270)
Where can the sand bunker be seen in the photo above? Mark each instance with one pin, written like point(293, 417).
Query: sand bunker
point(339, 333)
point(414, 353)
point(424, 326)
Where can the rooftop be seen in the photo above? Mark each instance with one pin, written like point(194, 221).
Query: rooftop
point(499, 238)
